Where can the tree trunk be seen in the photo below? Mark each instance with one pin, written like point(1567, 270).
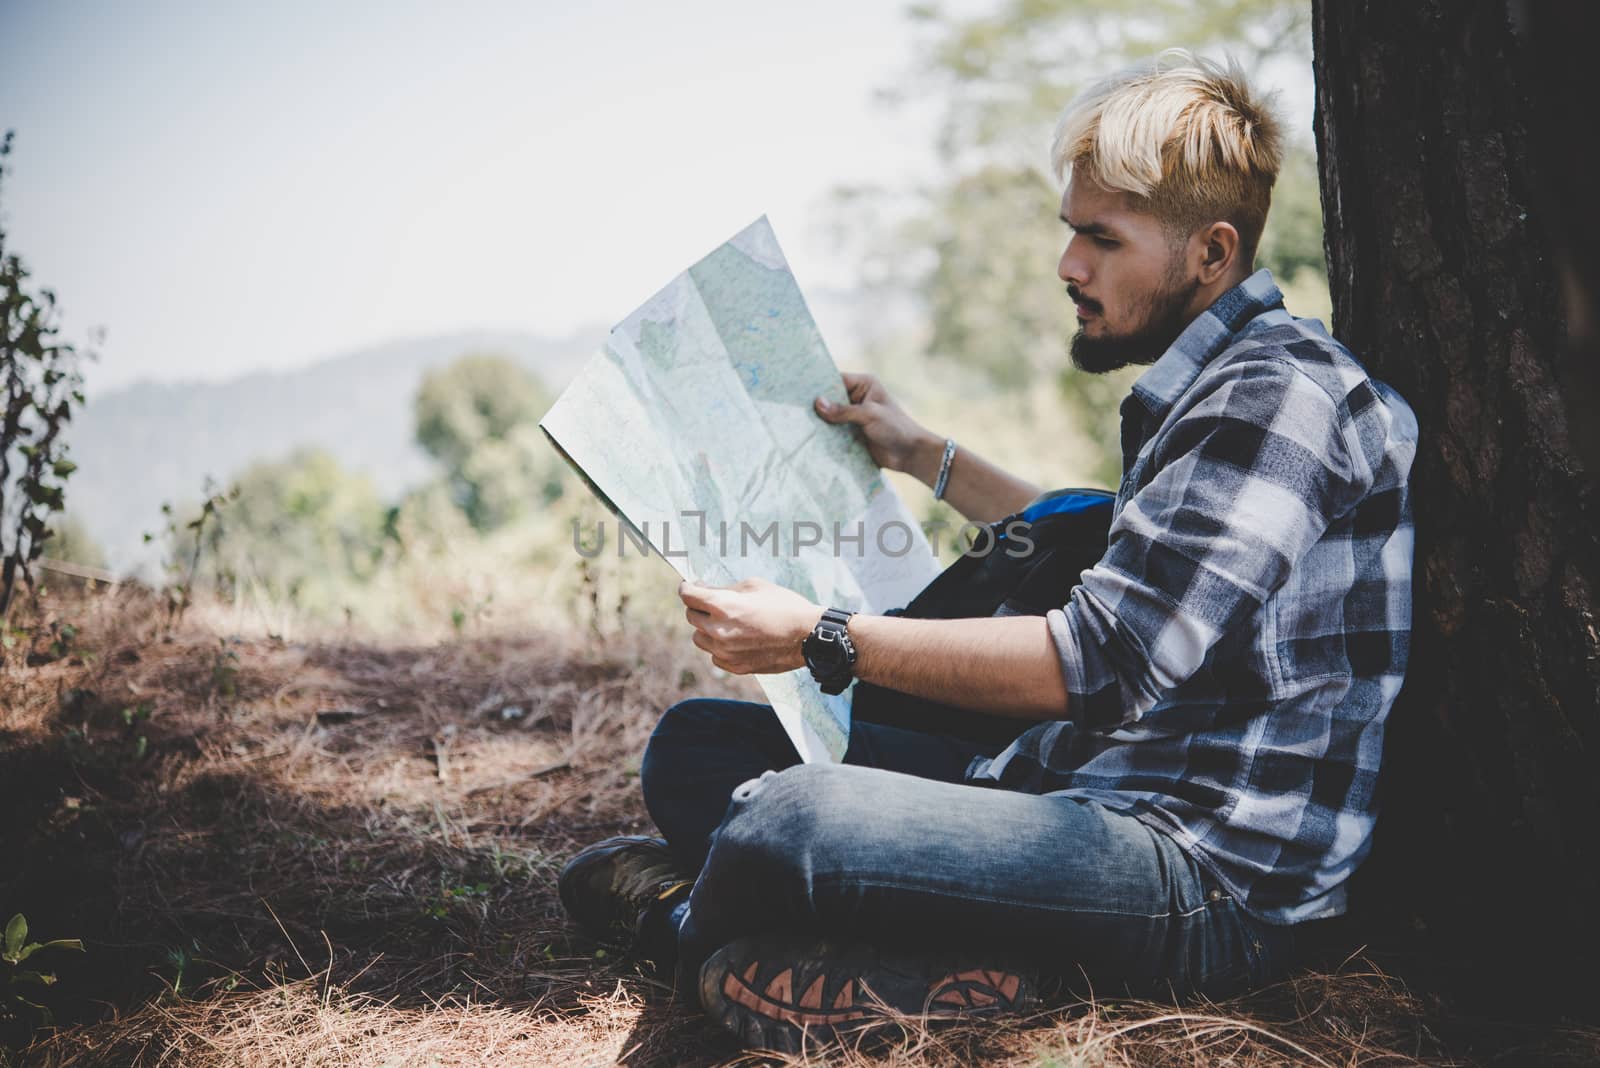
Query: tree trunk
point(1441, 256)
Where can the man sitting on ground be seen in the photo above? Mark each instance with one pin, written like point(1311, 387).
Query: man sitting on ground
point(1211, 697)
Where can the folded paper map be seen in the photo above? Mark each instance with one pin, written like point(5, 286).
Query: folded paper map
point(695, 425)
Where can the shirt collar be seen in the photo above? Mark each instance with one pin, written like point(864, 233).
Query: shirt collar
point(1210, 332)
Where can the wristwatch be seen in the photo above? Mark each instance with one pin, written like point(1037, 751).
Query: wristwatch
point(829, 653)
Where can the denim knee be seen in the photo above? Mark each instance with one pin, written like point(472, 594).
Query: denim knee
point(694, 714)
point(782, 819)
point(686, 719)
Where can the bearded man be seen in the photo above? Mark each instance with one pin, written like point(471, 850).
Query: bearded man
point(1210, 699)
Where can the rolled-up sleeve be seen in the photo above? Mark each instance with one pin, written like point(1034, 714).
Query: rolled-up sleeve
point(1247, 478)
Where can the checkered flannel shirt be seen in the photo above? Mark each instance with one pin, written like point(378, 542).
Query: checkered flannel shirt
point(1231, 659)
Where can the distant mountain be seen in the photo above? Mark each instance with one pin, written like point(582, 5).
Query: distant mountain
point(151, 442)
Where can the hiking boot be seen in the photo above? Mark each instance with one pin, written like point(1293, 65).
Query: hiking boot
point(777, 992)
point(620, 891)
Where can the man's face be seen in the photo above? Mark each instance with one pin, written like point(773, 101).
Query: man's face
point(1128, 276)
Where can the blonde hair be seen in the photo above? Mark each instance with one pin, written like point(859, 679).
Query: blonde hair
point(1185, 135)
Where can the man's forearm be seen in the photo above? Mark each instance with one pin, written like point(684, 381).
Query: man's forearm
point(1006, 664)
point(977, 488)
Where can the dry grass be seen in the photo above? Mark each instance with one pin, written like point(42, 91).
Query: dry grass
point(335, 853)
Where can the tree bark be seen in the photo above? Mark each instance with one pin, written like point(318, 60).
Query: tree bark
point(1440, 245)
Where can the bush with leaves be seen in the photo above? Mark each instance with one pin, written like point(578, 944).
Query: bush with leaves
point(297, 531)
point(40, 387)
point(20, 982)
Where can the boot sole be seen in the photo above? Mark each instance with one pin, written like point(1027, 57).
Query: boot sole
point(781, 993)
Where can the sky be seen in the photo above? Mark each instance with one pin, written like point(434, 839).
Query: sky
point(226, 187)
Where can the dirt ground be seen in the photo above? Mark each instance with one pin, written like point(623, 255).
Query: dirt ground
point(344, 853)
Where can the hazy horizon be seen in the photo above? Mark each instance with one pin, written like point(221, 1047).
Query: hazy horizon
point(235, 189)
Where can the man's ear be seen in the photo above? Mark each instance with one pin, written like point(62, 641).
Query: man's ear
point(1219, 251)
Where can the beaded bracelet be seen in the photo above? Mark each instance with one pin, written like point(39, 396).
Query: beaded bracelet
point(944, 469)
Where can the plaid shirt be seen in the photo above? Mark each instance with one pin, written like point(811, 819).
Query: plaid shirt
point(1231, 659)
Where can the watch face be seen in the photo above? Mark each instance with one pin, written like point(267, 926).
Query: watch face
point(828, 652)
point(824, 651)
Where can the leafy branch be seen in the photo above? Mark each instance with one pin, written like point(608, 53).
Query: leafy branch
point(181, 573)
point(40, 388)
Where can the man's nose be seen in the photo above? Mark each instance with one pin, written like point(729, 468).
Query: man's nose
point(1072, 268)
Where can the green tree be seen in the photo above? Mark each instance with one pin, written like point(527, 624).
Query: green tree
point(479, 418)
point(1003, 76)
point(999, 80)
point(301, 529)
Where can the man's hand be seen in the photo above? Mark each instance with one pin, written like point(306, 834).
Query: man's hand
point(894, 439)
point(977, 489)
point(751, 628)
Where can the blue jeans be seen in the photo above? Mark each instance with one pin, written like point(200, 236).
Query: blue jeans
point(892, 847)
